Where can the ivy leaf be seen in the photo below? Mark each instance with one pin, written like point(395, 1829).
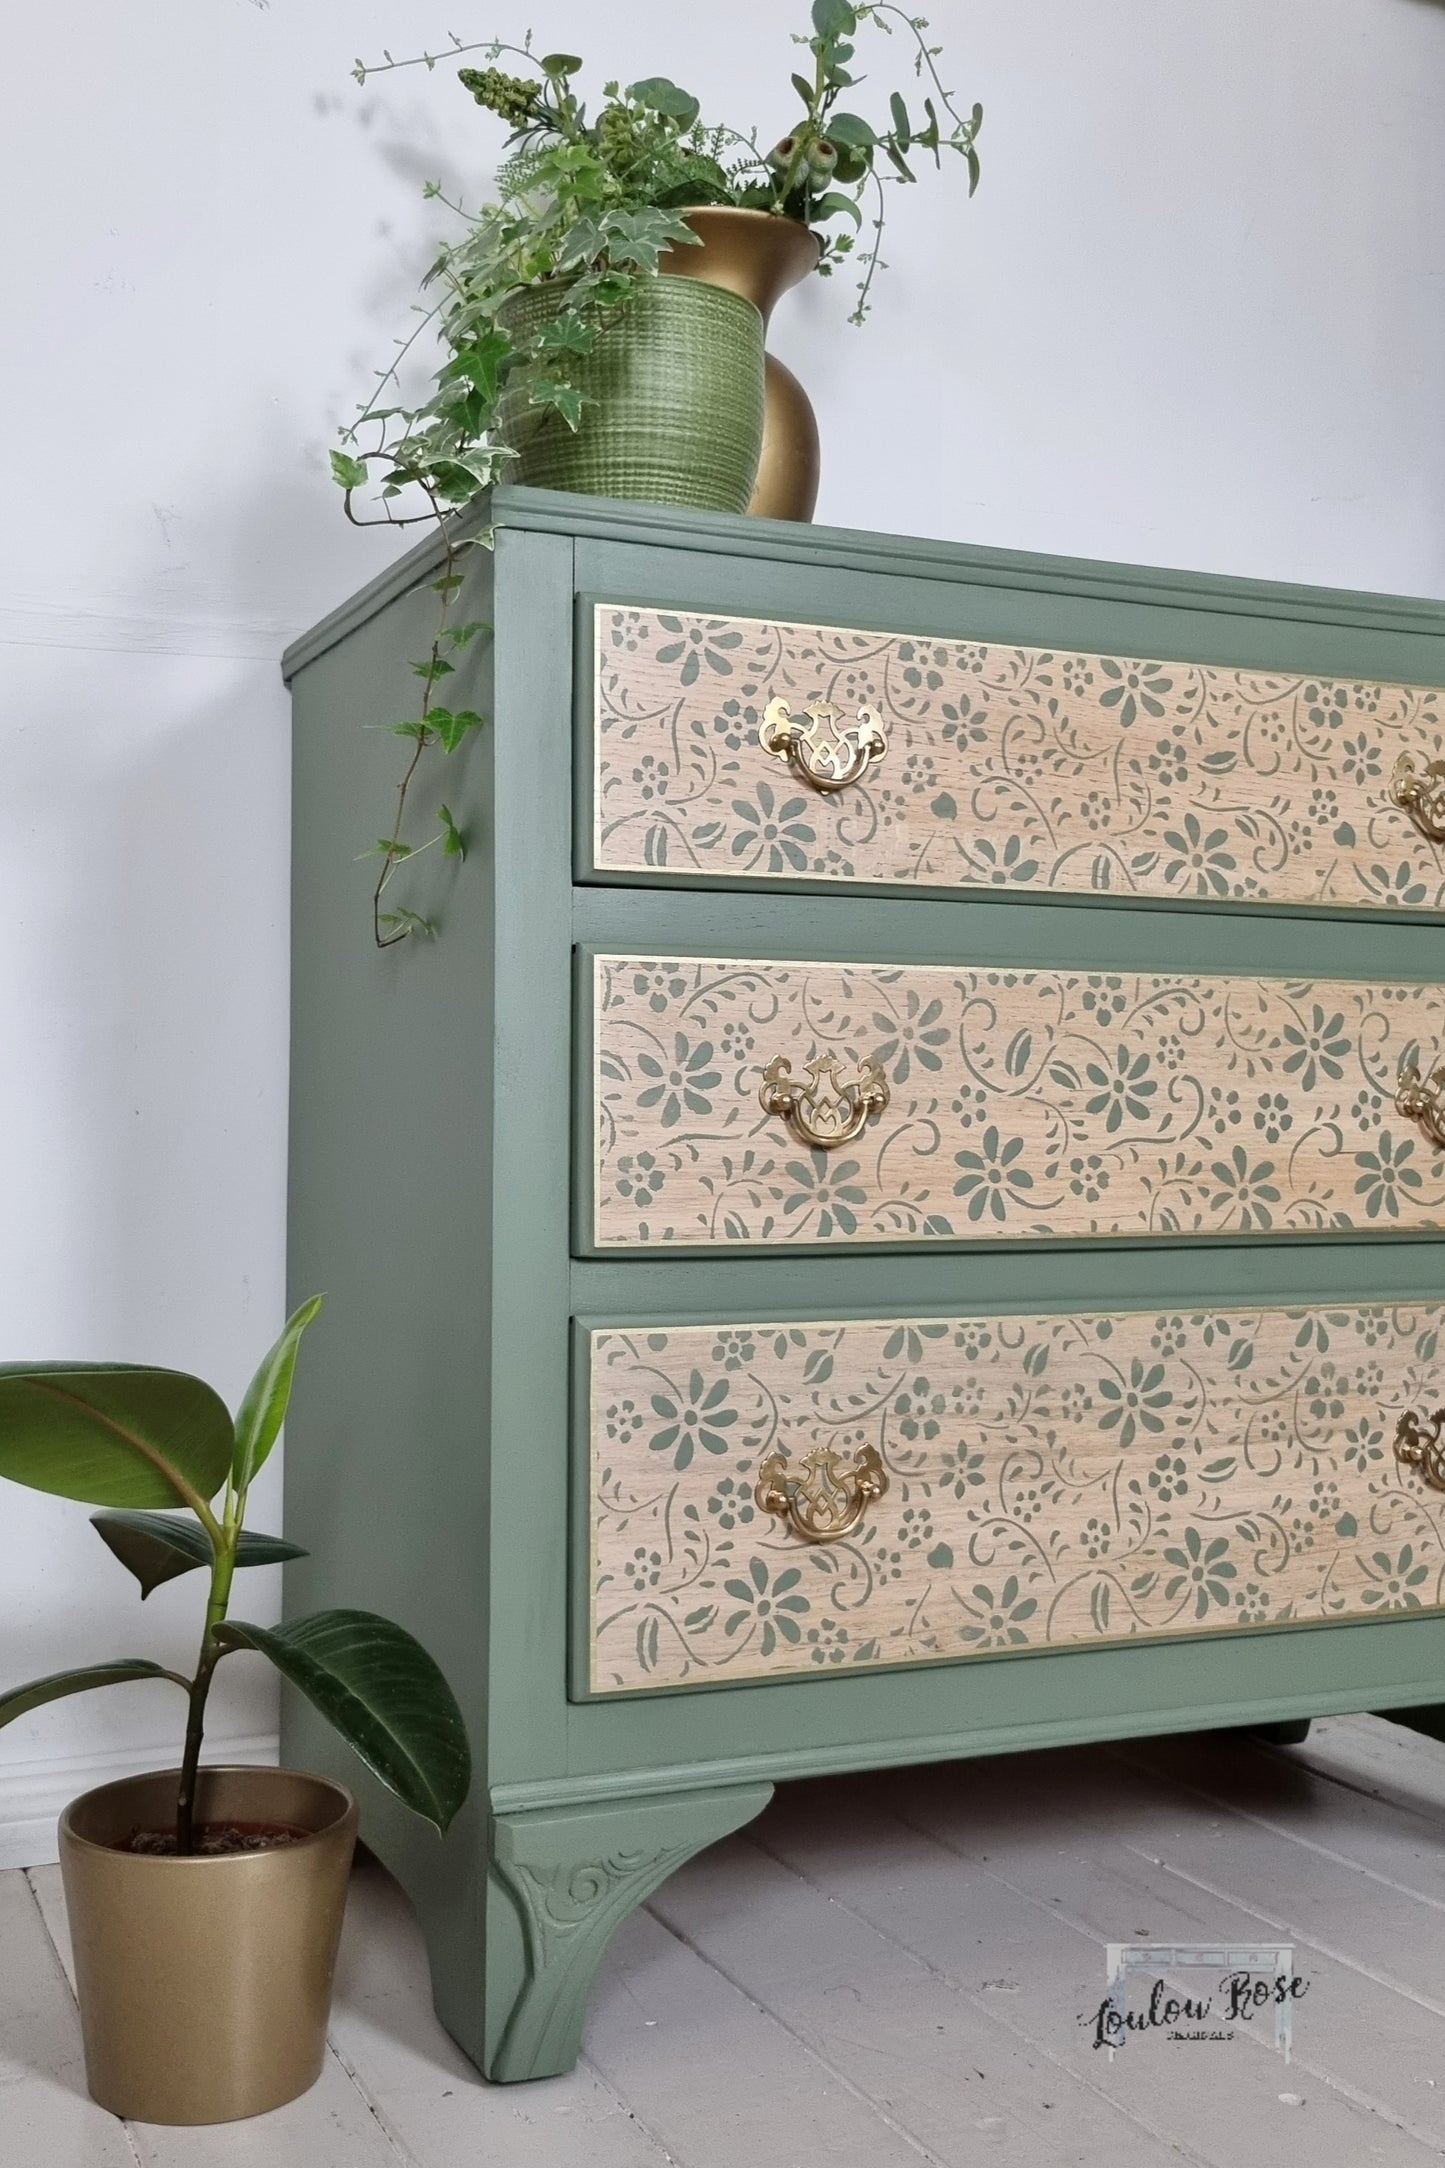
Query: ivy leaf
point(834, 18)
point(455, 844)
point(584, 241)
point(900, 164)
point(398, 923)
point(565, 334)
point(561, 64)
point(639, 237)
point(350, 473)
point(451, 727)
point(902, 127)
point(479, 364)
point(564, 398)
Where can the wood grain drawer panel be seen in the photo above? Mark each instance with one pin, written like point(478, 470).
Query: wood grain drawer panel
point(1010, 768)
point(1051, 1481)
point(1024, 1105)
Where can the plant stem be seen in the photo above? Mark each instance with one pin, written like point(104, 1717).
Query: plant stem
point(808, 133)
point(223, 1568)
point(871, 259)
point(425, 737)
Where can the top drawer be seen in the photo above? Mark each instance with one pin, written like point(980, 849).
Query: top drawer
point(733, 748)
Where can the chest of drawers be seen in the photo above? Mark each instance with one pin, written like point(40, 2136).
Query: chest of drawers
point(900, 1213)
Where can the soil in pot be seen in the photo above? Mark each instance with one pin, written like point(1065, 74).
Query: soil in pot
point(215, 1840)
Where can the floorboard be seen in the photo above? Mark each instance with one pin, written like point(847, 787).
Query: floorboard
point(890, 1972)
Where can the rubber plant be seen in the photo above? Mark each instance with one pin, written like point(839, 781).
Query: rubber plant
point(170, 1470)
point(593, 200)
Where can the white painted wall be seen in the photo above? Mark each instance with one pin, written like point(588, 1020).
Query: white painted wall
point(1195, 316)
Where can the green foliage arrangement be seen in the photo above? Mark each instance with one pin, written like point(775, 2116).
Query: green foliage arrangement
point(139, 1443)
point(595, 201)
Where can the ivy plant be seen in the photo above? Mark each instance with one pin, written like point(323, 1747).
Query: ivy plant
point(170, 1470)
point(594, 199)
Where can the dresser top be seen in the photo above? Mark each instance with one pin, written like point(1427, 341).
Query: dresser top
point(787, 542)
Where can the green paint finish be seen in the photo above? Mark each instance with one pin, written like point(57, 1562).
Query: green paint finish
point(433, 1099)
point(574, 1874)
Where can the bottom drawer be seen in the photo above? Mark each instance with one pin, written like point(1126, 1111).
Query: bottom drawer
point(775, 1499)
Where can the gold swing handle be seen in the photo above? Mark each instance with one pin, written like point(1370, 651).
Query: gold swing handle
point(825, 1500)
point(823, 1108)
point(819, 753)
point(1421, 1099)
point(1420, 792)
point(1418, 1444)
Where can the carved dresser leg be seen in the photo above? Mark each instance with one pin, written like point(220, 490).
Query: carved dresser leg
point(574, 1874)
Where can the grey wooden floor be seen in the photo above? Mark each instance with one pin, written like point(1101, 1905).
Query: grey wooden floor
point(890, 1971)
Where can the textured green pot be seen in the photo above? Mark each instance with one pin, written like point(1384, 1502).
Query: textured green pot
point(677, 381)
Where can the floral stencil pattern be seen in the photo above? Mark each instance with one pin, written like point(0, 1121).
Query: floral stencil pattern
point(1007, 768)
point(1051, 1481)
point(1024, 1105)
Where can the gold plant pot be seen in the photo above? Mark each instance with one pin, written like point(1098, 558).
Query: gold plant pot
point(754, 254)
point(205, 1983)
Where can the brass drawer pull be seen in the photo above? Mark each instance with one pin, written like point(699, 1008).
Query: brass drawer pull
point(818, 753)
point(824, 1111)
point(1419, 1445)
point(825, 1500)
point(1422, 1100)
point(1420, 792)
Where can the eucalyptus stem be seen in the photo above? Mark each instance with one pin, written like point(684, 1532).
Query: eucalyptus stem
point(872, 258)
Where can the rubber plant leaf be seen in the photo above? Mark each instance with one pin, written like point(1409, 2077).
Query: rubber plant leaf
point(21, 1699)
point(155, 1547)
point(382, 1692)
point(113, 1434)
point(263, 1410)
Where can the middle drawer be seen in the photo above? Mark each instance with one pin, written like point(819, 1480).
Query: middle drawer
point(758, 1103)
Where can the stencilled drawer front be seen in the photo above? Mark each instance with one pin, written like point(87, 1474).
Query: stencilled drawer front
point(728, 746)
point(778, 1104)
point(1001, 1484)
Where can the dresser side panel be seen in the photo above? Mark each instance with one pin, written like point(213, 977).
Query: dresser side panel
point(390, 1189)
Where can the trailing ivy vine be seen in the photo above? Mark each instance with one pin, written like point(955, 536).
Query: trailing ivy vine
point(595, 202)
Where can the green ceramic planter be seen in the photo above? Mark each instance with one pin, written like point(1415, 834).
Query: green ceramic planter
point(677, 380)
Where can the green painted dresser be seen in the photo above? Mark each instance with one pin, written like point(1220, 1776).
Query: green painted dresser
point(902, 1211)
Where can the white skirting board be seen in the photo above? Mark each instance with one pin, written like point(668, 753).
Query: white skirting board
point(34, 1793)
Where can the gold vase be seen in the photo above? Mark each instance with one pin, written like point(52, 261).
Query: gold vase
point(754, 254)
point(205, 1983)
